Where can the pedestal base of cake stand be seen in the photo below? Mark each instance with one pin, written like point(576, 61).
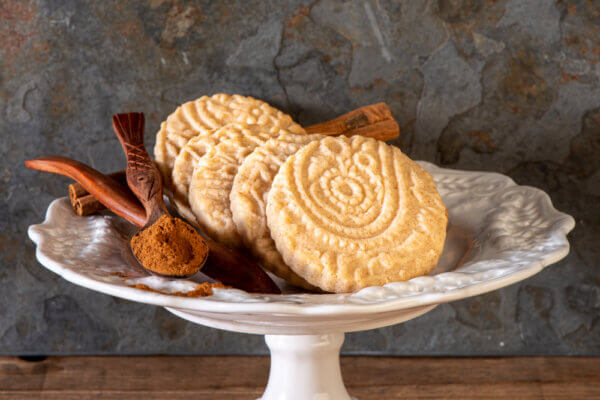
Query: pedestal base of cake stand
point(305, 367)
point(305, 349)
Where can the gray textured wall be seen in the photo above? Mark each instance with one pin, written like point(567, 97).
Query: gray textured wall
point(507, 86)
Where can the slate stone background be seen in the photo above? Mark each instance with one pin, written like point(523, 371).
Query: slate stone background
point(507, 86)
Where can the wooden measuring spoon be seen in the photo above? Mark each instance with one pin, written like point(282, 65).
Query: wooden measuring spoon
point(144, 180)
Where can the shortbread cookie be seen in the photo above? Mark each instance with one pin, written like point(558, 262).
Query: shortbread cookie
point(168, 146)
point(347, 213)
point(211, 113)
point(213, 175)
point(249, 199)
point(183, 168)
point(196, 148)
point(189, 156)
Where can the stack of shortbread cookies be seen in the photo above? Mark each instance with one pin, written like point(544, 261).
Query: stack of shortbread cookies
point(331, 213)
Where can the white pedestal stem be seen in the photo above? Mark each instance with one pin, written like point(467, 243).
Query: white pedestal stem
point(305, 367)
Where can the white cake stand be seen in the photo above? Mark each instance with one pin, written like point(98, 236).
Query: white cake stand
point(499, 233)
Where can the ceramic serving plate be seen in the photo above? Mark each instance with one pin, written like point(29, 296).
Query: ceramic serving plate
point(499, 233)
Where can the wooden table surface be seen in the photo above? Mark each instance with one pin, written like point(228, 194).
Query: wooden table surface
point(245, 377)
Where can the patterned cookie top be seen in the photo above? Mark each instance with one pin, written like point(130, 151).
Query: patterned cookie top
point(210, 113)
point(249, 199)
point(249, 136)
point(213, 175)
point(347, 213)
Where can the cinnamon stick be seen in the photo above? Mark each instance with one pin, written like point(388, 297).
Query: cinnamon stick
point(76, 191)
point(86, 205)
point(375, 121)
point(83, 203)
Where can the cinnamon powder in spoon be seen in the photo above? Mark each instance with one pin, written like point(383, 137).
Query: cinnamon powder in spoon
point(170, 247)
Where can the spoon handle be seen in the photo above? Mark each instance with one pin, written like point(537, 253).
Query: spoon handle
point(104, 188)
point(143, 176)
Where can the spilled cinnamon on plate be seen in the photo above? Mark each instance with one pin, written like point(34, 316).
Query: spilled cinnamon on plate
point(169, 247)
point(202, 290)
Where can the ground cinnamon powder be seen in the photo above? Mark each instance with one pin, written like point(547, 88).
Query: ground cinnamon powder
point(202, 290)
point(170, 247)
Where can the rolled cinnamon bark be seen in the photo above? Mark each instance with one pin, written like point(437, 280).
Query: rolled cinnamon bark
point(85, 204)
point(375, 121)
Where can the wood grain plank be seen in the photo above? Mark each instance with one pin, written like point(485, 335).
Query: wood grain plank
point(523, 391)
point(245, 378)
